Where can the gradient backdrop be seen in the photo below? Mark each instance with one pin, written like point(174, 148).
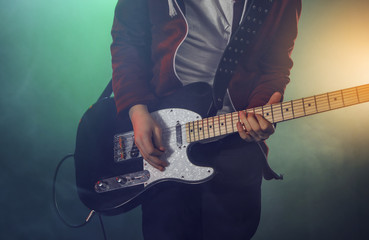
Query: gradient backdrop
point(55, 61)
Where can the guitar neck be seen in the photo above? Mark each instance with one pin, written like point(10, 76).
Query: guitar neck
point(225, 124)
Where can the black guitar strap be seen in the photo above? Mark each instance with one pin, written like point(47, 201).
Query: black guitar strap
point(240, 43)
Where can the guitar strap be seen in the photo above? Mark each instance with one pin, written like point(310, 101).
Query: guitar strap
point(240, 43)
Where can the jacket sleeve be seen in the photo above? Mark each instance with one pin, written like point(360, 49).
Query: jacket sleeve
point(130, 52)
point(276, 62)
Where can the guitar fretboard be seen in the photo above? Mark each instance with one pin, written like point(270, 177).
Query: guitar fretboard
point(227, 123)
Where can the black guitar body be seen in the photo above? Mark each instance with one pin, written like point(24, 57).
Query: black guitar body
point(94, 156)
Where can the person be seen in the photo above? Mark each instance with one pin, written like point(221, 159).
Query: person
point(161, 45)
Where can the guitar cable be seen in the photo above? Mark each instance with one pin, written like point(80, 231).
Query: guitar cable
point(106, 93)
point(56, 206)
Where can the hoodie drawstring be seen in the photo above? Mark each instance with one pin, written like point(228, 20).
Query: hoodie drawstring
point(172, 10)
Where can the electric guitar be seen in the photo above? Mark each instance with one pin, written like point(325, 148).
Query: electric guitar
point(111, 175)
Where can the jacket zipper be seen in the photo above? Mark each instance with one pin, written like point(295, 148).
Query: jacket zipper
point(172, 10)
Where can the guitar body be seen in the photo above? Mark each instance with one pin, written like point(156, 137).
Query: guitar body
point(111, 175)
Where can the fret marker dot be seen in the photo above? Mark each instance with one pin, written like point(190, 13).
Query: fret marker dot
point(191, 130)
point(222, 124)
point(267, 114)
point(200, 129)
point(309, 105)
point(286, 109)
point(210, 126)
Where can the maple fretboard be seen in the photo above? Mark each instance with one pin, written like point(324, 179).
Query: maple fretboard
point(227, 123)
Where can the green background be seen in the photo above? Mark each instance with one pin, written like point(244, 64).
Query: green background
point(55, 61)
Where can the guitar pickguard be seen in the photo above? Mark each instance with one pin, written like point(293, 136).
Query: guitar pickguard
point(180, 167)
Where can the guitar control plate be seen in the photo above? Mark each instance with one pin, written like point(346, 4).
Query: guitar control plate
point(122, 181)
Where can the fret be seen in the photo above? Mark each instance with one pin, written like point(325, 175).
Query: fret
point(216, 126)
point(280, 104)
point(293, 111)
point(230, 116)
point(192, 134)
point(298, 108)
point(267, 110)
point(229, 123)
point(335, 100)
point(258, 110)
point(363, 92)
point(287, 110)
point(201, 129)
point(271, 110)
point(322, 103)
point(277, 112)
point(235, 120)
point(303, 106)
point(193, 131)
point(188, 132)
point(329, 103)
point(206, 128)
point(196, 130)
point(350, 96)
point(211, 127)
point(309, 105)
point(222, 127)
point(343, 100)
point(357, 95)
point(316, 108)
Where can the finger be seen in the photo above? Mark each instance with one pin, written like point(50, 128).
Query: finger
point(150, 153)
point(152, 160)
point(245, 120)
point(149, 147)
point(154, 164)
point(252, 136)
point(261, 128)
point(243, 134)
point(157, 137)
point(275, 98)
point(266, 127)
point(253, 123)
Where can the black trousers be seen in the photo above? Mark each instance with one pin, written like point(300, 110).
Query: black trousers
point(226, 207)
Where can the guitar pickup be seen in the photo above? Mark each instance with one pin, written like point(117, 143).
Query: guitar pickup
point(179, 134)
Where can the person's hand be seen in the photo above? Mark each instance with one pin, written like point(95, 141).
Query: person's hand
point(148, 136)
point(254, 127)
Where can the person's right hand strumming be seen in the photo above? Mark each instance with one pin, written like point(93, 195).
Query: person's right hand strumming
point(148, 136)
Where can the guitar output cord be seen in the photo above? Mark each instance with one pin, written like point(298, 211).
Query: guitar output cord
point(56, 207)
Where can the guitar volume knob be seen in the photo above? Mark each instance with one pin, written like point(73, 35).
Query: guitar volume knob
point(121, 180)
point(101, 186)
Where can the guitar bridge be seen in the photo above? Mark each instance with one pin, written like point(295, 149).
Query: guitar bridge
point(125, 147)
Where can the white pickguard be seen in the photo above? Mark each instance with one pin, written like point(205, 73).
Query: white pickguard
point(179, 166)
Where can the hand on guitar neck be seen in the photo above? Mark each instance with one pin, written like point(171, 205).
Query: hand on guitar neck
point(148, 136)
point(254, 127)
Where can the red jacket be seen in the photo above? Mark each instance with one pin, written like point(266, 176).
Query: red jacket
point(145, 40)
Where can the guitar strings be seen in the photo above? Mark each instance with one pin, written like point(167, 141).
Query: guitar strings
point(300, 106)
